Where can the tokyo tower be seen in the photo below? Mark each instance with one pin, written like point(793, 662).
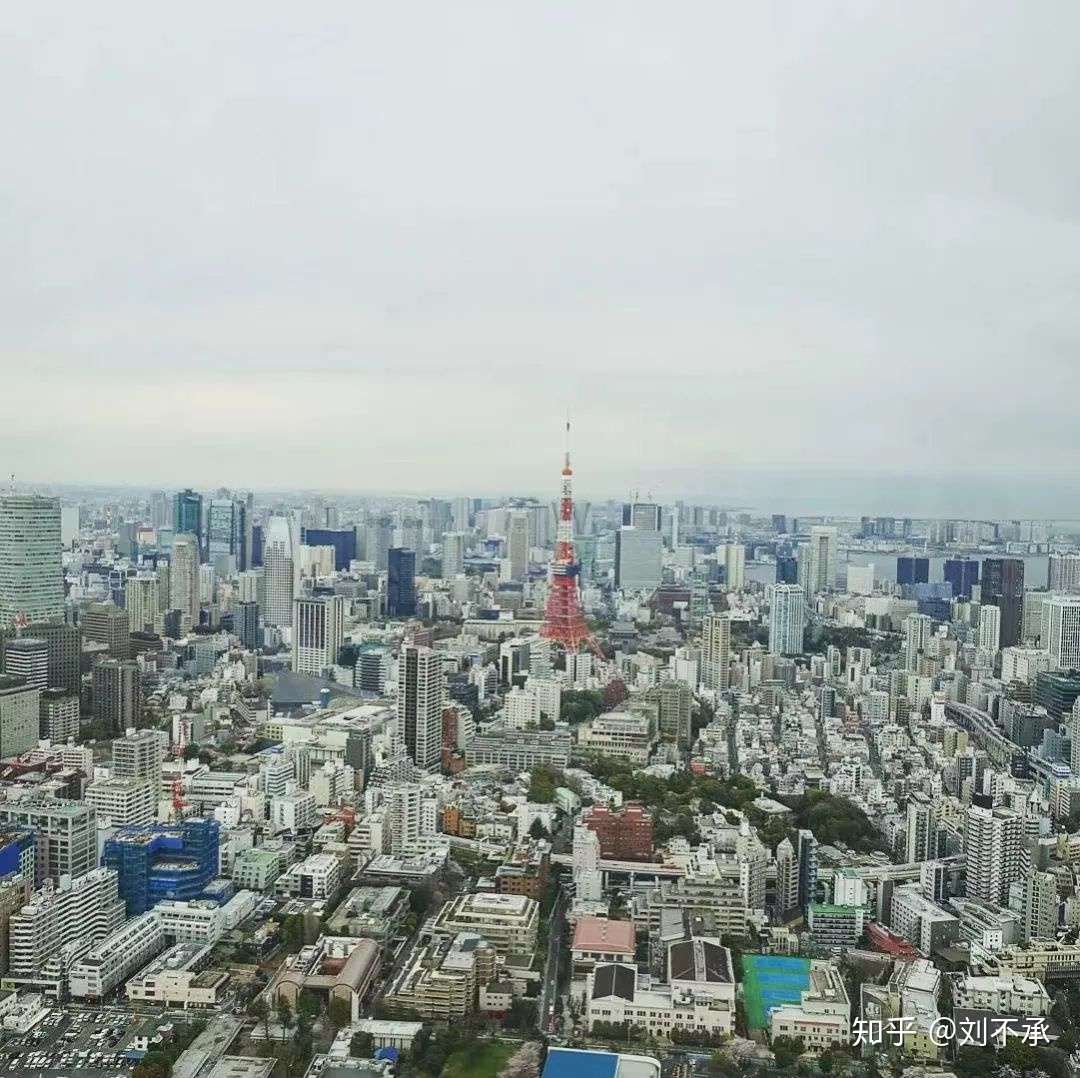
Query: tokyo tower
point(564, 620)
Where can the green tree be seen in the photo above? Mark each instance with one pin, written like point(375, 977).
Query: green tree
point(787, 1050)
point(259, 1009)
point(283, 1010)
point(361, 1045)
point(339, 1012)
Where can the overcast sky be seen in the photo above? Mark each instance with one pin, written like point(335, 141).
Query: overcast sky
point(385, 246)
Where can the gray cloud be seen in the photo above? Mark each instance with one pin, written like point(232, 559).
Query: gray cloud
point(386, 246)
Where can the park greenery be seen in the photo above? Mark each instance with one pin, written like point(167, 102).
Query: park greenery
point(676, 799)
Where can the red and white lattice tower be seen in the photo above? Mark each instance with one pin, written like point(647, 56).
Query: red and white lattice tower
point(564, 620)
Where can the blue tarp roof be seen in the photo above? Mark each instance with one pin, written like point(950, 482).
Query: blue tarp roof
point(572, 1063)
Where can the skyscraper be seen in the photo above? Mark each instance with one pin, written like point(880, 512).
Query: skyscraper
point(912, 570)
point(822, 559)
point(118, 697)
point(184, 579)
point(227, 535)
point(517, 544)
point(400, 583)
point(787, 619)
point(921, 844)
point(643, 515)
point(787, 569)
point(453, 554)
point(989, 628)
point(1061, 634)
point(28, 658)
point(1063, 573)
point(420, 697)
point(31, 576)
point(638, 558)
point(279, 571)
point(246, 623)
point(378, 538)
point(139, 754)
point(1003, 586)
point(20, 707)
point(108, 624)
point(963, 575)
point(993, 839)
point(734, 566)
point(716, 652)
point(141, 602)
point(188, 515)
point(318, 633)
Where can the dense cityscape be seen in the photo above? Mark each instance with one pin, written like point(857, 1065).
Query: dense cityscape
point(303, 784)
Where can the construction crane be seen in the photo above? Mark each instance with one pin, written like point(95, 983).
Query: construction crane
point(178, 802)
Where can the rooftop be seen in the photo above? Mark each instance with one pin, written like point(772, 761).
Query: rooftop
point(599, 934)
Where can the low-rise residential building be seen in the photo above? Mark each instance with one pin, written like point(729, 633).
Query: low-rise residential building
point(1003, 995)
point(374, 912)
point(319, 876)
point(923, 923)
point(622, 735)
point(525, 871)
point(835, 926)
point(256, 869)
point(508, 922)
point(203, 921)
point(440, 982)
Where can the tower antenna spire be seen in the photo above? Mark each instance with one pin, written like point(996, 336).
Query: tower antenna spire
point(564, 619)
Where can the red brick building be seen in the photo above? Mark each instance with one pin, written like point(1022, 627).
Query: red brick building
point(626, 834)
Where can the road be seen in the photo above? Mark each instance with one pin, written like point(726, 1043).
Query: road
point(550, 988)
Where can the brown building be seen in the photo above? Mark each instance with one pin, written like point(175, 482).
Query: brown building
point(526, 870)
point(626, 834)
point(107, 624)
point(458, 823)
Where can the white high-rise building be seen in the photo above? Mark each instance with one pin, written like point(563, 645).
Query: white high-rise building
point(184, 579)
point(860, 579)
point(517, 544)
point(453, 554)
point(86, 907)
point(1064, 573)
point(420, 699)
point(31, 576)
point(139, 754)
point(735, 566)
point(921, 844)
point(638, 558)
point(787, 619)
point(279, 571)
point(918, 629)
point(993, 840)
point(141, 602)
point(522, 710)
point(716, 652)
point(822, 559)
point(318, 633)
point(404, 809)
point(588, 879)
point(989, 628)
point(1061, 619)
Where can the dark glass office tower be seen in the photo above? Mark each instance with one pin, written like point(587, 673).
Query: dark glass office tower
point(401, 583)
point(187, 514)
point(912, 570)
point(1003, 586)
point(963, 574)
